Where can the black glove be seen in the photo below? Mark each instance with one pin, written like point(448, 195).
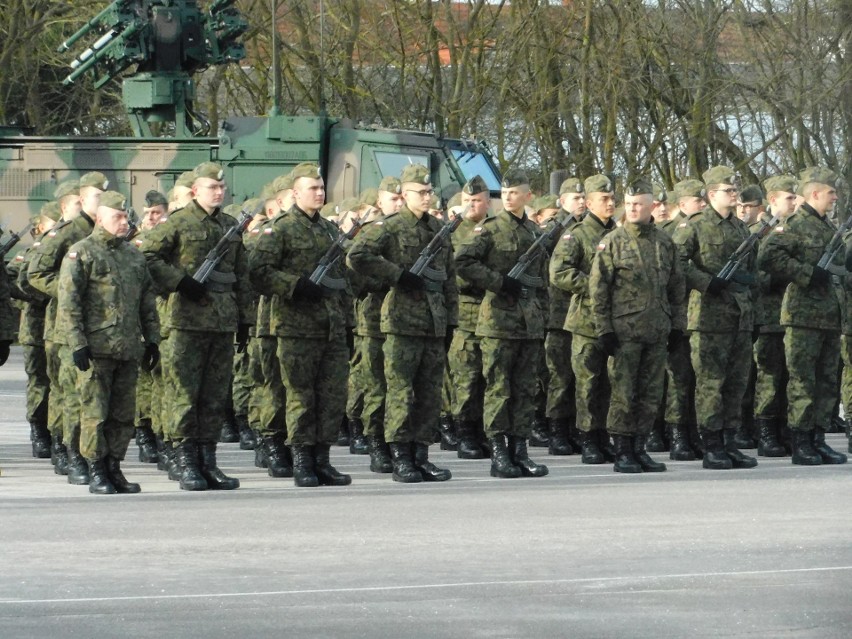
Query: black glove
point(676, 336)
point(609, 343)
point(82, 358)
point(411, 282)
point(307, 291)
point(191, 289)
point(150, 357)
point(820, 278)
point(512, 287)
point(755, 333)
point(4, 351)
point(778, 284)
point(717, 285)
point(242, 337)
point(448, 338)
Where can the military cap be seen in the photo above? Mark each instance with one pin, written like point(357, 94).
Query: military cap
point(751, 193)
point(571, 185)
point(475, 185)
point(346, 205)
point(185, 179)
point(329, 210)
point(640, 186)
point(416, 174)
point(434, 202)
point(787, 183)
point(210, 170)
point(514, 177)
point(51, 210)
point(113, 200)
point(232, 209)
point(282, 183)
point(390, 184)
point(68, 187)
point(545, 202)
point(268, 192)
point(155, 198)
point(818, 175)
point(660, 193)
point(718, 175)
point(306, 170)
point(689, 188)
point(369, 196)
point(95, 179)
point(598, 184)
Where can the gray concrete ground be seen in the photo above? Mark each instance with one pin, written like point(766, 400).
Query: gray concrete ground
point(583, 552)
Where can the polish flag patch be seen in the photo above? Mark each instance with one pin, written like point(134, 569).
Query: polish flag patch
point(601, 246)
point(72, 255)
point(267, 231)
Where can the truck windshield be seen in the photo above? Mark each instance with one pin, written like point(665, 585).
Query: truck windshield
point(393, 163)
point(472, 163)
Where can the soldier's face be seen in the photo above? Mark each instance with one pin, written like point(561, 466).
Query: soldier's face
point(389, 202)
point(418, 197)
point(90, 197)
point(601, 204)
point(824, 199)
point(545, 215)
point(515, 198)
point(309, 194)
point(209, 193)
point(638, 208)
point(574, 203)
point(660, 211)
point(113, 220)
point(71, 206)
point(151, 216)
point(748, 211)
point(691, 205)
point(479, 204)
point(783, 203)
point(723, 197)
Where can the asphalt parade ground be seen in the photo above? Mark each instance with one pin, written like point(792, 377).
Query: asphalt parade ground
point(584, 552)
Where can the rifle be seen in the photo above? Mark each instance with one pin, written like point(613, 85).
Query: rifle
point(834, 245)
point(223, 247)
point(332, 256)
point(739, 256)
point(422, 267)
point(14, 238)
point(519, 270)
point(131, 226)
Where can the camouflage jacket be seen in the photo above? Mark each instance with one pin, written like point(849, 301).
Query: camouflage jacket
point(485, 258)
point(790, 253)
point(43, 270)
point(369, 297)
point(391, 246)
point(31, 328)
point(162, 295)
point(7, 311)
point(559, 299)
point(636, 285)
point(106, 298)
point(263, 315)
point(570, 267)
point(770, 294)
point(290, 248)
point(176, 248)
point(470, 296)
point(670, 225)
point(705, 244)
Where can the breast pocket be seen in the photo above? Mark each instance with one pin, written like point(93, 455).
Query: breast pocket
point(193, 248)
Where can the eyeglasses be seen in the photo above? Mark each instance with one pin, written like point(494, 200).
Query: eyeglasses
point(730, 190)
point(423, 193)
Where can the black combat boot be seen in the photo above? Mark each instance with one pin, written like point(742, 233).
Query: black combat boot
point(380, 461)
point(589, 451)
point(625, 460)
point(521, 458)
point(449, 439)
point(78, 469)
point(58, 453)
point(575, 437)
point(246, 434)
point(738, 459)
point(680, 449)
point(146, 442)
point(501, 462)
point(40, 438)
point(559, 444)
point(229, 433)
point(428, 470)
point(357, 442)
point(715, 457)
point(186, 465)
point(99, 483)
point(328, 475)
point(117, 478)
point(343, 432)
point(259, 451)
point(172, 462)
point(605, 445)
point(304, 475)
point(215, 478)
point(743, 438)
point(804, 452)
point(768, 444)
point(643, 458)
point(275, 455)
point(403, 465)
point(826, 452)
point(786, 437)
point(696, 441)
point(849, 435)
point(161, 453)
point(655, 443)
point(539, 433)
point(469, 446)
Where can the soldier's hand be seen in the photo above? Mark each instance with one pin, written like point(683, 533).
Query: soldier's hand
point(82, 358)
point(411, 282)
point(307, 291)
point(242, 337)
point(717, 285)
point(150, 357)
point(820, 278)
point(676, 336)
point(4, 351)
point(609, 343)
point(512, 287)
point(191, 289)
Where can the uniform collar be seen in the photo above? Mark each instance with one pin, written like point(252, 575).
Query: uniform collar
point(101, 235)
point(637, 230)
point(594, 219)
point(807, 208)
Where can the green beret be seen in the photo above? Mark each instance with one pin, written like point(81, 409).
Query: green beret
point(689, 188)
point(346, 205)
point(475, 186)
point(514, 177)
point(306, 170)
point(545, 202)
point(155, 198)
point(369, 196)
point(51, 211)
point(68, 187)
point(268, 192)
point(660, 194)
point(598, 184)
point(209, 170)
point(98, 180)
point(113, 200)
point(639, 186)
point(455, 200)
point(786, 183)
point(390, 184)
point(283, 183)
point(416, 174)
point(329, 210)
point(751, 193)
point(818, 175)
point(185, 179)
point(571, 185)
point(718, 175)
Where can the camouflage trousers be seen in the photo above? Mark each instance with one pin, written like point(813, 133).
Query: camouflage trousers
point(561, 384)
point(846, 378)
point(448, 393)
point(314, 375)
point(372, 373)
point(108, 405)
point(680, 386)
point(637, 373)
point(255, 380)
point(197, 373)
point(813, 358)
point(241, 383)
point(144, 394)
point(464, 364)
point(770, 385)
point(54, 404)
point(70, 395)
point(722, 362)
point(38, 384)
point(509, 367)
point(269, 393)
point(592, 394)
point(159, 394)
point(414, 370)
point(355, 388)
